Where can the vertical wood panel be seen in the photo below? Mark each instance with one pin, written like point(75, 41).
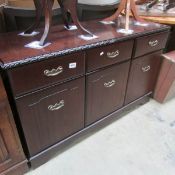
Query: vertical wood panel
point(11, 154)
point(3, 149)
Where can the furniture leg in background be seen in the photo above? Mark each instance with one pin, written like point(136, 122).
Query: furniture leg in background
point(48, 4)
point(71, 6)
point(39, 8)
point(66, 6)
point(123, 6)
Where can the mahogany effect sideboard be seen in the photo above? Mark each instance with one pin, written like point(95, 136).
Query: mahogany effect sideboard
point(74, 86)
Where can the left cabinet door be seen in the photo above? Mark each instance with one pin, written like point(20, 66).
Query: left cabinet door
point(12, 159)
point(51, 115)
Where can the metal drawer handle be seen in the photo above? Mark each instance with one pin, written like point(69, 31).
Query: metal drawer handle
point(113, 54)
point(109, 84)
point(146, 69)
point(153, 43)
point(53, 72)
point(57, 106)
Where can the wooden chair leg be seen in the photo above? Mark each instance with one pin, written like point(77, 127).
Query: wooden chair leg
point(39, 9)
point(121, 7)
point(134, 12)
point(64, 13)
point(48, 20)
point(72, 7)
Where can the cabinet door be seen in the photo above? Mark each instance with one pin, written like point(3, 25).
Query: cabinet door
point(10, 149)
point(143, 76)
point(51, 115)
point(105, 91)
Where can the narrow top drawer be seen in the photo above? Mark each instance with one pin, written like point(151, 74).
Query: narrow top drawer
point(150, 43)
point(108, 55)
point(41, 74)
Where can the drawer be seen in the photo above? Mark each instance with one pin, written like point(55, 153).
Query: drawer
point(105, 91)
point(51, 115)
point(108, 55)
point(143, 76)
point(41, 74)
point(150, 43)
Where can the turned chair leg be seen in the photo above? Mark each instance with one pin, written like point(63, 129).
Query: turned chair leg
point(122, 7)
point(64, 13)
point(72, 8)
point(39, 9)
point(134, 12)
point(118, 11)
point(48, 20)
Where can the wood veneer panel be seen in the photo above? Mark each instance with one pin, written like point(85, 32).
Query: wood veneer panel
point(3, 149)
point(11, 152)
point(51, 115)
point(143, 76)
point(105, 91)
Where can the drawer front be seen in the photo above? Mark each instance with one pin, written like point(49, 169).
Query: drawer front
point(37, 75)
point(108, 55)
point(51, 115)
point(150, 43)
point(105, 91)
point(143, 76)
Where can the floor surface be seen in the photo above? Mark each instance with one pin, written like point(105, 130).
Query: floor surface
point(140, 143)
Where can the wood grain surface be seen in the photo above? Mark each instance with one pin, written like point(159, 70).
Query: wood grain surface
point(13, 52)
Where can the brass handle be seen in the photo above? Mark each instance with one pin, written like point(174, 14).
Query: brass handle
point(109, 84)
point(53, 72)
point(153, 43)
point(146, 69)
point(57, 106)
point(113, 54)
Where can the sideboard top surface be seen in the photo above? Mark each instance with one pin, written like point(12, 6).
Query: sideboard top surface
point(13, 53)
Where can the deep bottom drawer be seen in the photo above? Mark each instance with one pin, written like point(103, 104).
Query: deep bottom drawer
point(52, 114)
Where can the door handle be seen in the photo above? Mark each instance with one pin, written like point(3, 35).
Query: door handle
point(146, 69)
point(109, 84)
point(57, 106)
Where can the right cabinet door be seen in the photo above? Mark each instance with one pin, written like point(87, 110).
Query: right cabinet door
point(143, 76)
point(105, 91)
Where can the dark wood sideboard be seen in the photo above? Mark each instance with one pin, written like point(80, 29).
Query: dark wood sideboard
point(74, 86)
point(12, 159)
